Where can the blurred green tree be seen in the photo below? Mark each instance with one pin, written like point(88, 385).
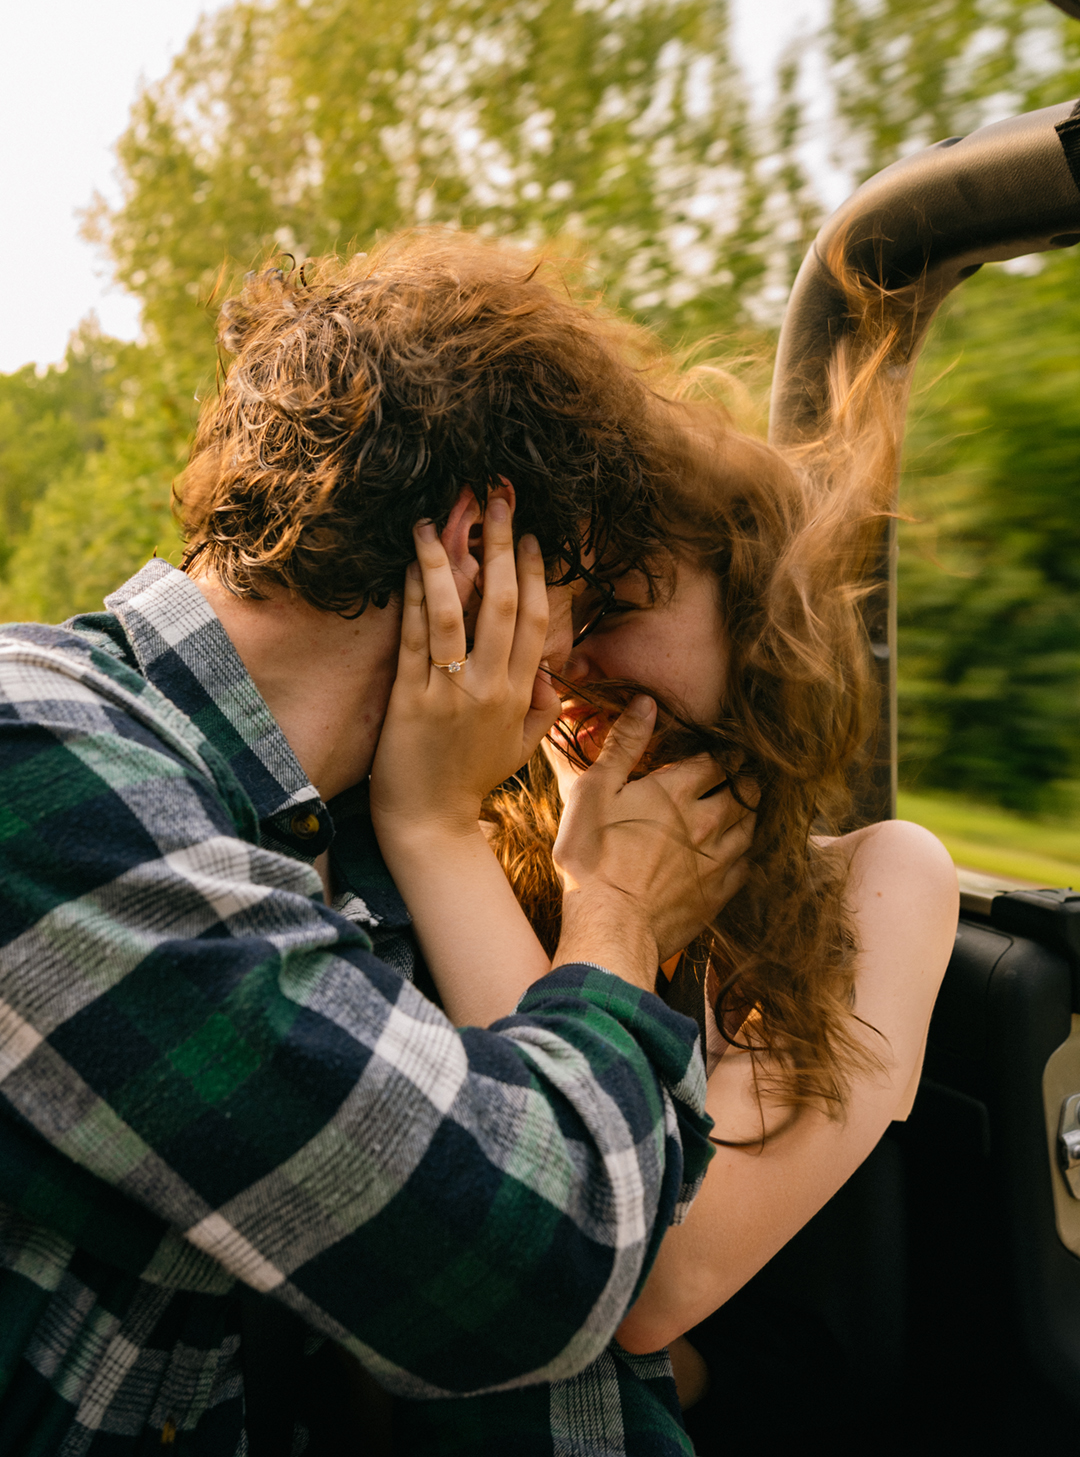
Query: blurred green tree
point(989, 600)
point(308, 126)
point(906, 73)
point(621, 130)
point(49, 420)
point(91, 517)
point(990, 567)
point(311, 127)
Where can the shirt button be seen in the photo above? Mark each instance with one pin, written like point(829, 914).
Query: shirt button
point(305, 824)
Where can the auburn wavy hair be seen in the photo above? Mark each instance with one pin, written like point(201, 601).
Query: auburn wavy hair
point(790, 537)
point(364, 395)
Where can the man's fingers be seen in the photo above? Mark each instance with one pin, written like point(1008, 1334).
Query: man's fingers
point(716, 789)
point(714, 819)
point(627, 739)
point(738, 837)
point(748, 790)
point(445, 620)
point(706, 794)
point(696, 778)
point(735, 877)
point(725, 851)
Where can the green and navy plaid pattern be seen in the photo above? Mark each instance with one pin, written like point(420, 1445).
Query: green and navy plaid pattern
point(619, 1406)
point(208, 1077)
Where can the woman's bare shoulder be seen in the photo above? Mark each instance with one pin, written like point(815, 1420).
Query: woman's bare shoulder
point(898, 853)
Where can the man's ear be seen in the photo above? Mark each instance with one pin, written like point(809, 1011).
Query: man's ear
point(463, 542)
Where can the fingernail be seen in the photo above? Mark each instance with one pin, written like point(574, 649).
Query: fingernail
point(425, 531)
point(530, 544)
point(412, 571)
point(639, 706)
point(498, 510)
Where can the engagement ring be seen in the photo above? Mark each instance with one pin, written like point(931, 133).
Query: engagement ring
point(454, 667)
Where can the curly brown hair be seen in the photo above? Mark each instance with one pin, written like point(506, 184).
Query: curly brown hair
point(365, 394)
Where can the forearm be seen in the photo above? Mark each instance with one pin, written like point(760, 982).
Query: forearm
point(286, 1103)
point(606, 927)
point(476, 940)
point(448, 1155)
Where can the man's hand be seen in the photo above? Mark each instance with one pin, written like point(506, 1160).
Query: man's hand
point(645, 865)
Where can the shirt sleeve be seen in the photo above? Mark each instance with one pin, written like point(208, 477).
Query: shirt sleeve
point(188, 1028)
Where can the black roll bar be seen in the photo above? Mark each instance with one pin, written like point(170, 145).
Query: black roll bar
point(934, 218)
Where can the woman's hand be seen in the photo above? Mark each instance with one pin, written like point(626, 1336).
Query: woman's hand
point(646, 864)
point(450, 738)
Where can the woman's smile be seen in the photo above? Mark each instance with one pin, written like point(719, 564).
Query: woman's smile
point(672, 641)
point(582, 727)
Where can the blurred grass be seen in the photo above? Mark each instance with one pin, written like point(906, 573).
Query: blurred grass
point(996, 842)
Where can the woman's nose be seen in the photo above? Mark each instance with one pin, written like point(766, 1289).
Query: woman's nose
point(577, 667)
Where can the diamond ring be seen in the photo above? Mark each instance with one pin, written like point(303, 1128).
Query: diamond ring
point(454, 667)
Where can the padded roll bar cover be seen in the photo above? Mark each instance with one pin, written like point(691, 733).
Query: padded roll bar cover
point(1001, 192)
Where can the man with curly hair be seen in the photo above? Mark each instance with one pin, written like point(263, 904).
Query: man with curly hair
point(231, 1124)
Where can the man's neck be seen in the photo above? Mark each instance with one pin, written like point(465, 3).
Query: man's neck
point(325, 679)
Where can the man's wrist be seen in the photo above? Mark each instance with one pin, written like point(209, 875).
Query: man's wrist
point(605, 926)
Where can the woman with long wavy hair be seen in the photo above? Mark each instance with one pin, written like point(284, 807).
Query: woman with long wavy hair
point(815, 981)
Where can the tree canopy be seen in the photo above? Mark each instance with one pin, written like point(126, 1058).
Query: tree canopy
point(311, 127)
point(621, 130)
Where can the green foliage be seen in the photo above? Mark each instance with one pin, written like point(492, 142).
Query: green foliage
point(107, 436)
point(910, 72)
point(311, 127)
point(619, 130)
point(996, 843)
point(990, 576)
point(48, 422)
point(91, 530)
point(989, 601)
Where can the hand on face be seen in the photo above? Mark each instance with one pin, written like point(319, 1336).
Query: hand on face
point(679, 856)
point(669, 847)
point(451, 737)
point(668, 635)
point(464, 531)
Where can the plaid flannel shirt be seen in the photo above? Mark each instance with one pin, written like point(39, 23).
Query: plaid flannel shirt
point(210, 1084)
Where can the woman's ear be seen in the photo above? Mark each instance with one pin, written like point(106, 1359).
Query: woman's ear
point(463, 542)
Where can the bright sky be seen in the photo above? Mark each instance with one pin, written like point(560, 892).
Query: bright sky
point(69, 72)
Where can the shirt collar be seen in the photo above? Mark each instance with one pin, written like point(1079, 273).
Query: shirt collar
point(183, 650)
